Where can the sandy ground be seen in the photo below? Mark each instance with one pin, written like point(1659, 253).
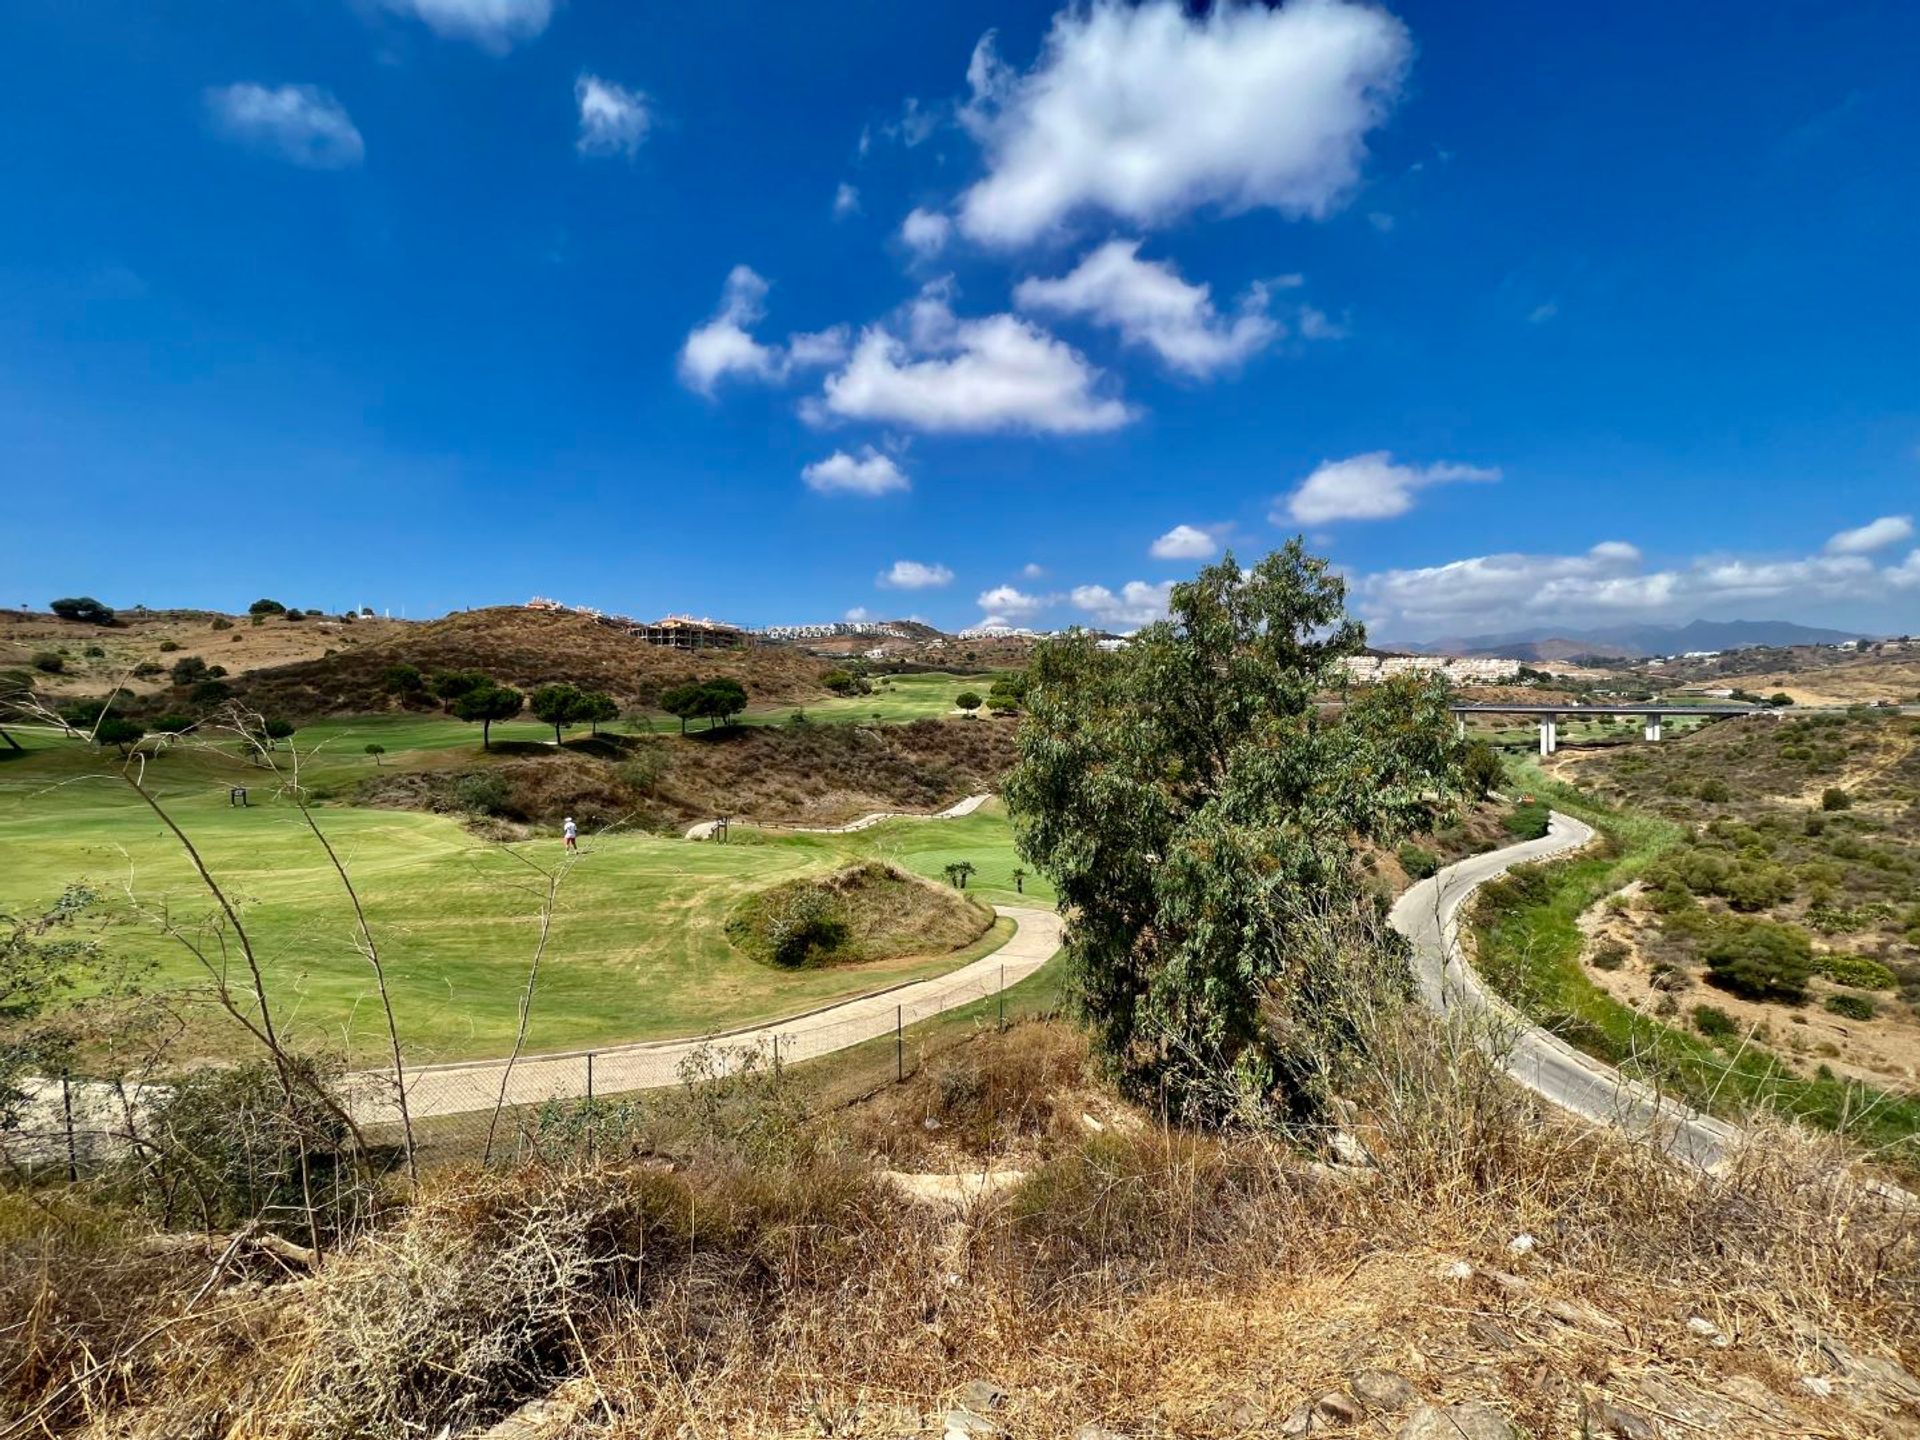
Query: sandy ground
point(138, 638)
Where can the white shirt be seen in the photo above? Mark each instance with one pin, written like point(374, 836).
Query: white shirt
point(571, 829)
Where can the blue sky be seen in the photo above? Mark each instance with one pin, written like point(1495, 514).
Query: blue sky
point(1526, 314)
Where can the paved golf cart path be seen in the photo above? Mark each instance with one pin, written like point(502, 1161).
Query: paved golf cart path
point(1428, 915)
point(704, 830)
point(465, 1087)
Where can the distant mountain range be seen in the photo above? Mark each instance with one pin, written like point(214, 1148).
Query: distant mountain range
point(1633, 641)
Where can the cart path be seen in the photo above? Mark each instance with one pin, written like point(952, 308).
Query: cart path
point(470, 1086)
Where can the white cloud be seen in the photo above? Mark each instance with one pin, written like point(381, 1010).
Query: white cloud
point(724, 346)
point(1146, 113)
point(1004, 604)
point(1149, 304)
point(1906, 574)
point(613, 119)
point(913, 575)
point(299, 123)
point(925, 232)
point(1367, 487)
point(868, 473)
point(1381, 221)
point(495, 25)
point(1872, 536)
point(1032, 571)
point(998, 372)
point(859, 613)
point(1541, 314)
point(1137, 604)
point(1498, 592)
point(1185, 542)
point(1314, 325)
point(846, 201)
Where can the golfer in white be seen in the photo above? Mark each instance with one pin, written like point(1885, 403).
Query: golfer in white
point(572, 832)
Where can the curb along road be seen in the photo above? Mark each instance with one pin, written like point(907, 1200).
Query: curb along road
point(1428, 915)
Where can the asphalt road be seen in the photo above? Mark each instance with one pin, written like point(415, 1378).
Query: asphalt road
point(1428, 916)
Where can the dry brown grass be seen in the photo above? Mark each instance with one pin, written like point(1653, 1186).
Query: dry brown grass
point(1159, 1282)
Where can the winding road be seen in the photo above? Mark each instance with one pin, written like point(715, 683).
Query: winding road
point(1428, 915)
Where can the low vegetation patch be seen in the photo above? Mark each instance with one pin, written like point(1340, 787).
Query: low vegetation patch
point(862, 913)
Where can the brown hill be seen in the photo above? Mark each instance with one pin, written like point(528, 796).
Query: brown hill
point(161, 637)
point(525, 648)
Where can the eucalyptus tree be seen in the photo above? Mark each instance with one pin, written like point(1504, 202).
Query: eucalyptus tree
point(1200, 809)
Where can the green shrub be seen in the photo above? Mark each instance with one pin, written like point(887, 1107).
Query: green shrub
point(1482, 768)
point(167, 647)
point(94, 652)
point(221, 622)
point(47, 662)
point(1528, 821)
point(1851, 1005)
point(1834, 798)
point(483, 793)
point(1760, 960)
point(1714, 1023)
point(1417, 862)
point(1855, 970)
point(1714, 790)
point(1609, 955)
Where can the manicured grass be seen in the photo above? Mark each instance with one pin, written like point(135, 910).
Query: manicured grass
point(1532, 956)
point(637, 949)
point(896, 699)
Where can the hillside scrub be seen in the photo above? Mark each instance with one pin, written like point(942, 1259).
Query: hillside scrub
point(865, 912)
point(802, 775)
point(526, 649)
point(1527, 942)
point(1144, 1278)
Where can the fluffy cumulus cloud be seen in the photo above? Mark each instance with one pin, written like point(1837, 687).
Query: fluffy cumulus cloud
point(914, 575)
point(925, 232)
point(1137, 604)
point(1367, 487)
point(1611, 581)
point(1146, 112)
point(868, 473)
point(724, 346)
point(1873, 536)
point(613, 119)
point(1185, 542)
point(298, 123)
point(1009, 605)
point(846, 201)
point(932, 370)
point(1150, 305)
point(494, 25)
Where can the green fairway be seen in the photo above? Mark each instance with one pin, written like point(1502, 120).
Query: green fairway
point(895, 699)
point(637, 949)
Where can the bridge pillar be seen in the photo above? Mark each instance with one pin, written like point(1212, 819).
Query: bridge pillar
point(1549, 736)
point(1652, 731)
point(1459, 727)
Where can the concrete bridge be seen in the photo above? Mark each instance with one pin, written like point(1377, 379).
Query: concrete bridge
point(1548, 716)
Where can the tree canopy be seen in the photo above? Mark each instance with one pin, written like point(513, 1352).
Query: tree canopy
point(716, 699)
point(83, 608)
point(487, 702)
point(1198, 814)
point(558, 706)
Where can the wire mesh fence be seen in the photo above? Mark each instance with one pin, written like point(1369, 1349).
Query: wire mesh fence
point(504, 1111)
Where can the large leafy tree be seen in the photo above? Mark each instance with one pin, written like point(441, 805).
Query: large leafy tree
point(558, 705)
point(488, 702)
point(1198, 806)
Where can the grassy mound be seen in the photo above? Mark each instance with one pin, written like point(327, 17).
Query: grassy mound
point(863, 913)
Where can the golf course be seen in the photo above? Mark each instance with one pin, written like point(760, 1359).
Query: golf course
point(637, 948)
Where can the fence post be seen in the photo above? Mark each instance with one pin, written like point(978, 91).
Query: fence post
point(776, 1049)
point(899, 1044)
point(593, 1118)
point(1003, 996)
point(66, 1107)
